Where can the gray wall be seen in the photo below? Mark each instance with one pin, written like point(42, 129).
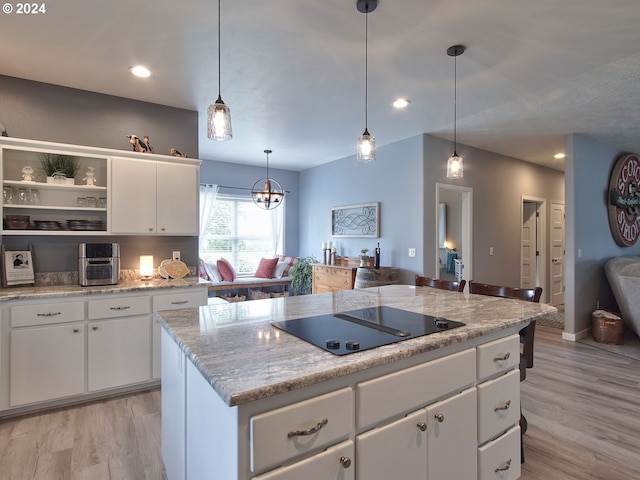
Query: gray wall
point(498, 184)
point(244, 176)
point(394, 180)
point(45, 112)
point(589, 241)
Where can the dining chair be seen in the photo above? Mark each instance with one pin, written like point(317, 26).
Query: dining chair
point(441, 284)
point(527, 334)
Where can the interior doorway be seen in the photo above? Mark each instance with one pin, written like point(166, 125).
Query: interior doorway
point(532, 246)
point(557, 254)
point(454, 232)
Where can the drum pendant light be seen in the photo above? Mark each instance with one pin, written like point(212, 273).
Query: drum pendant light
point(454, 164)
point(272, 193)
point(218, 114)
point(366, 148)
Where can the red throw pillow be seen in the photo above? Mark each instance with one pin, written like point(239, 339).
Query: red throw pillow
point(226, 270)
point(266, 267)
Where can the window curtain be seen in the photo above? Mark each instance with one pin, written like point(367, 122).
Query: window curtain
point(208, 194)
point(277, 232)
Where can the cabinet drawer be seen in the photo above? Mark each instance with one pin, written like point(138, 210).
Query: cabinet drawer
point(500, 459)
point(180, 299)
point(498, 356)
point(498, 405)
point(118, 307)
point(414, 387)
point(335, 463)
point(287, 432)
point(46, 314)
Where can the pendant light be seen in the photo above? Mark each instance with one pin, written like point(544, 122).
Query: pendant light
point(272, 193)
point(366, 148)
point(454, 164)
point(218, 114)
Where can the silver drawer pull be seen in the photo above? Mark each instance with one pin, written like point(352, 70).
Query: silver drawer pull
point(180, 302)
point(126, 307)
point(422, 426)
point(308, 431)
point(50, 314)
point(502, 358)
point(345, 461)
point(76, 330)
point(439, 417)
point(503, 467)
point(504, 406)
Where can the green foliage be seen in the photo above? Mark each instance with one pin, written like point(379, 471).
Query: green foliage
point(301, 274)
point(364, 251)
point(51, 163)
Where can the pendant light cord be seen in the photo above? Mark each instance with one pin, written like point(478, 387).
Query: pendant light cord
point(366, 69)
point(455, 100)
point(219, 49)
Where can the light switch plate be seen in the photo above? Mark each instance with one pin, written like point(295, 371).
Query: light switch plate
point(412, 252)
point(176, 255)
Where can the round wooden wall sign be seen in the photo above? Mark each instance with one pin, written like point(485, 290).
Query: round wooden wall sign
point(624, 200)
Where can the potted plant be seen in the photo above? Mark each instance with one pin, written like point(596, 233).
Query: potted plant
point(61, 167)
point(301, 274)
point(364, 258)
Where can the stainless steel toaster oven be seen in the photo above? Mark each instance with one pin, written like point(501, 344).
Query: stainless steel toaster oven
point(98, 264)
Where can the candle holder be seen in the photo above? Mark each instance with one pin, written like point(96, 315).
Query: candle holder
point(324, 256)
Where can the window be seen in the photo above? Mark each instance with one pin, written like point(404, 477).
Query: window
point(242, 233)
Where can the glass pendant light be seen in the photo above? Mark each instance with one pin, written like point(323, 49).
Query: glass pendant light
point(366, 148)
point(455, 168)
point(218, 114)
point(272, 193)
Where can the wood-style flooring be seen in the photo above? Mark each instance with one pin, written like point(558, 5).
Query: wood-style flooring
point(582, 404)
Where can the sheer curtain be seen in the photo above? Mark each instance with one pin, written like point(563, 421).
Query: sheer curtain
point(277, 230)
point(208, 194)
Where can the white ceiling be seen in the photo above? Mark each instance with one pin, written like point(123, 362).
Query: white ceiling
point(293, 70)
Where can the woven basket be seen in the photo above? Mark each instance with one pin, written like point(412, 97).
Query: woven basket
point(258, 295)
point(234, 298)
point(607, 327)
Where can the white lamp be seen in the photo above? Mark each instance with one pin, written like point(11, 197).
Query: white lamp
point(146, 267)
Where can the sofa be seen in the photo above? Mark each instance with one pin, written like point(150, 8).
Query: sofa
point(623, 274)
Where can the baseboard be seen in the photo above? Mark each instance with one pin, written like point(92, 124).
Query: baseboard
point(574, 337)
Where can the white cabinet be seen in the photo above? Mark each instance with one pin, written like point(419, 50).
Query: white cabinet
point(164, 197)
point(46, 363)
point(174, 403)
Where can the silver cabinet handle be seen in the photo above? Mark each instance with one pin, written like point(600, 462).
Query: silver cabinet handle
point(503, 467)
point(180, 302)
point(439, 417)
point(504, 406)
point(151, 229)
point(94, 328)
point(345, 461)
point(49, 314)
point(502, 358)
point(308, 431)
point(76, 330)
point(162, 229)
point(125, 307)
point(422, 426)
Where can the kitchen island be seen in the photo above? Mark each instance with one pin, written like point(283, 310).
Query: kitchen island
point(242, 399)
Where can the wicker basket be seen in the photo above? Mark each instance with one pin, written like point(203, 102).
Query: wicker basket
point(234, 298)
point(258, 295)
point(607, 327)
point(279, 294)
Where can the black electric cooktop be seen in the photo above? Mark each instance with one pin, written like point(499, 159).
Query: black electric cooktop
point(356, 330)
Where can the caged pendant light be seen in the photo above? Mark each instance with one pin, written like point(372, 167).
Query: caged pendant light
point(272, 193)
point(454, 164)
point(218, 114)
point(366, 148)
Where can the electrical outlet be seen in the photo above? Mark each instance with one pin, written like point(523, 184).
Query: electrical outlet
point(491, 251)
point(176, 255)
point(412, 252)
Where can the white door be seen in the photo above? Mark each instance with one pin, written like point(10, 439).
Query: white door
point(529, 259)
point(133, 196)
point(177, 199)
point(557, 253)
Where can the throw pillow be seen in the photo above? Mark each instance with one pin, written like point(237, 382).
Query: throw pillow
point(280, 268)
point(266, 267)
point(202, 273)
point(212, 272)
point(226, 270)
point(289, 260)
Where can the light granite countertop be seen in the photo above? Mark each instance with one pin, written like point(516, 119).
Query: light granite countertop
point(123, 286)
point(244, 358)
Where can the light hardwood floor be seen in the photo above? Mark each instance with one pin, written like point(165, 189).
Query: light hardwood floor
point(581, 403)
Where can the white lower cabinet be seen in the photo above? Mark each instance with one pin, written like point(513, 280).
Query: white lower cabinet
point(46, 363)
point(500, 458)
point(119, 352)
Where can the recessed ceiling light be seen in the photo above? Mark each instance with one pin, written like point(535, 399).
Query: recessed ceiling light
point(401, 103)
point(140, 71)
point(559, 156)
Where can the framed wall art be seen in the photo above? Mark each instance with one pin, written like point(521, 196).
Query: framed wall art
point(17, 267)
point(356, 221)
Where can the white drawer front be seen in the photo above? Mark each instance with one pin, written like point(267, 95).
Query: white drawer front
point(334, 463)
point(498, 356)
point(500, 459)
point(46, 314)
point(280, 434)
point(118, 307)
point(393, 394)
point(180, 299)
point(498, 405)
